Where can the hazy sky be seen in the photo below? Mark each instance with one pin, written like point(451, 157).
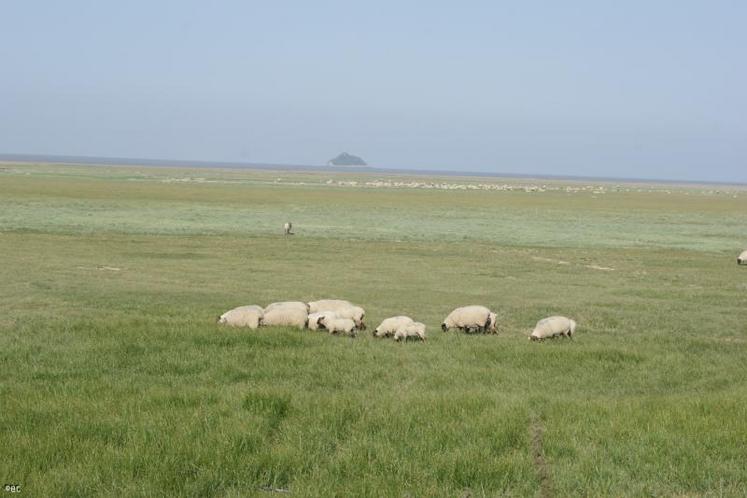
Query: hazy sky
point(654, 89)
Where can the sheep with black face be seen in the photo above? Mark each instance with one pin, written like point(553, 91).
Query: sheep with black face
point(470, 319)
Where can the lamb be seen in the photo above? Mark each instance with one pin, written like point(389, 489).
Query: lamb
point(389, 327)
point(412, 330)
point(288, 316)
point(314, 319)
point(336, 324)
point(742, 258)
point(288, 304)
point(554, 326)
point(470, 319)
point(243, 316)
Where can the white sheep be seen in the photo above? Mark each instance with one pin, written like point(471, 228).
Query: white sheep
point(355, 313)
point(344, 309)
point(288, 304)
point(243, 316)
point(742, 258)
point(336, 324)
point(470, 319)
point(389, 326)
point(287, 316)
point(328, 305)
point(415, 330)
point(287, 228)
point(315, 317)
point(553, 326)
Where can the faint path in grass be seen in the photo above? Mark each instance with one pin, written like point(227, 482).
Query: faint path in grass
point(536, 431)
point(561, 262)
point(548, 260)
point(600, 268)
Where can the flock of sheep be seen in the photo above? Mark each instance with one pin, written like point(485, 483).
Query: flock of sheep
point(338, 316)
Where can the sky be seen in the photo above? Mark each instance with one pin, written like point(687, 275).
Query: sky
point(637, 89)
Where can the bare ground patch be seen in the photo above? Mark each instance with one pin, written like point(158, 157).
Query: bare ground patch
point(561, 262)
point(100, 268)
point(548, 260)
point(536, 430)
point(602, 268)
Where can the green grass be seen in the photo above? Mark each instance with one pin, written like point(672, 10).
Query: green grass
point(115, 380)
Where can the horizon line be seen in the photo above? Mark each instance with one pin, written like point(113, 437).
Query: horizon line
point(86, 160)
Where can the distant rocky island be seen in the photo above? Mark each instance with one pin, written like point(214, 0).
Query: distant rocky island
point(346, 159)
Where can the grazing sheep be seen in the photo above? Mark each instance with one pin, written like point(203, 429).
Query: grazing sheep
point(344, 309)
point(328, 305)
point(315, 317)
point(554, 326)
point(243, 316)
point(285, 316)
point(389, 327)
point(287, 228)
point(742, 258)
point(355, 313)
point(288, 304)
point(336, 324)
point(415, 330)
point(470, 319)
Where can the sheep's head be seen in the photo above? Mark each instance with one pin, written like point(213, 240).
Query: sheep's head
point(491, 322)
point(357, 316)
point(444, 327)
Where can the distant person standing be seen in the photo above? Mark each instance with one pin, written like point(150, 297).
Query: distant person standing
point(287, 228)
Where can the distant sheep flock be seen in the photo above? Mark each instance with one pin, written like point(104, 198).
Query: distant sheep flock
point(341, 317)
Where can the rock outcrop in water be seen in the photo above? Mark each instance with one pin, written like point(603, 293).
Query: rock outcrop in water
point(346, 159)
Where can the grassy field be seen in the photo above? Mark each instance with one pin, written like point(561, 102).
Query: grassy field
point(116, 381)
